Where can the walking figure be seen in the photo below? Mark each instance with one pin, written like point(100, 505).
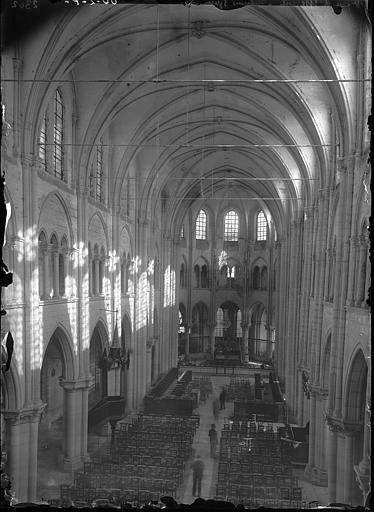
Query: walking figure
point(198, 472)
point(222, 398)
point(213, 440)
point(215, 409)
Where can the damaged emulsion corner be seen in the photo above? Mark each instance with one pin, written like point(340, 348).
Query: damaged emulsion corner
point(6, 277)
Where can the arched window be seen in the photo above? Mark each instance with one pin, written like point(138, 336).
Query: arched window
point(219, 321)
point(204, 276)
point(102, 282)
point(43, 255)
point(95, 271)
point(181, 328)
point(256, 278)
point(231, 227)
point(200, 227)
point(261, 227)
point(43, 142)
point(61, 274)
point(62, 267)
point(58, 136)
point(54, 266)
point(90, 271)
point(197, 276)
point(128, 272)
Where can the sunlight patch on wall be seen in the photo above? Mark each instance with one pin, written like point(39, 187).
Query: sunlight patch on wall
point(169, 287)
point(72, 312)
point(114, 261)
point(222, 259)
point(30, 244)
point(85, 312)
point(36, 328)
point(143, 301)
point(82, 249)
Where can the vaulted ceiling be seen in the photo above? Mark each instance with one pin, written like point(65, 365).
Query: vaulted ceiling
point(199, 102)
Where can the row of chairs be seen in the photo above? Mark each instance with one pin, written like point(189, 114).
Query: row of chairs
point(167, 472)
point(71, 494)
point(141, 460)
point(153, 481)
point(255, 479)
point(168, 421)
point(239, 389)
point(251, 503)
point(152, 437)
point(138, 465)
point(263, 492)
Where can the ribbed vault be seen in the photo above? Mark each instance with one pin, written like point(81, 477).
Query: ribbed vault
point(194, 98)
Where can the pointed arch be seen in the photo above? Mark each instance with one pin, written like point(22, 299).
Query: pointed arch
point(43, 215)
point(355, 388)
point(201, 225)
point(231, 226)
point(64, 345)
point(261, 227)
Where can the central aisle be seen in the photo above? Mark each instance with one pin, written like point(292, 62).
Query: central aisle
point(201, 445)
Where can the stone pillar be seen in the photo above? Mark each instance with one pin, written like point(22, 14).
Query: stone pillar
point(33, 455)
point(47, 285)
point(245, 329)
point(348, 467)
point(13, 467)
point(188, 337)
point(363, 469)
point(332, 462)
point(361, 272)
point(149, 345)
point(312, 436)
point(353, 271)
point(212, 340)
point(340, 290)
point(65, 256)
point(84, 423)
point(156, 362)
point(55, 268)
point(300, 397)
point(22, 435)
point(75, 422)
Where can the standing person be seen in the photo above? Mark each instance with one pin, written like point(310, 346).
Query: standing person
point(198, 472)
point(215, 409)
point(213, 440)
point(222, 398)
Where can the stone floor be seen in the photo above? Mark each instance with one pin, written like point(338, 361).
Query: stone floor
point(51, 476)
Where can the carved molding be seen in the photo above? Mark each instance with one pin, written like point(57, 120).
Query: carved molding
point(343, 427)
point(73, 385)
point(28, 415)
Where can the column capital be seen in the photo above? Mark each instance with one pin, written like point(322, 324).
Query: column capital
point(211, 325)
point(149, 344)
point(343, 427)
point(318, 391)
point(27, 415)
point(73, 385)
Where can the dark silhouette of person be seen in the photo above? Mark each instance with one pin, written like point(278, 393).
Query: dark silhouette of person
point(198, 472)
point(213, 440)
point(222, 398)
